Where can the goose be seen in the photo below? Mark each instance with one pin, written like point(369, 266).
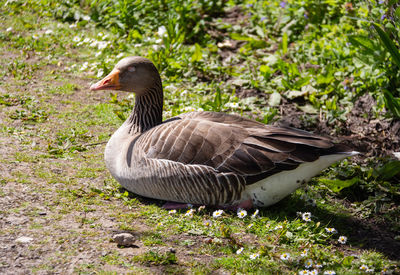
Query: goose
point(206, 158)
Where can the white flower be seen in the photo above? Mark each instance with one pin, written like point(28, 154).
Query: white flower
point(342, 239)
point(84, 66)
point(189, 109)
point(158, 41)
point(364, 267)
point(308, 263)
point(318, 265)
point(239, 251)
point(190, 212)
point(278, 227)
point(102, 45)
point(241, 213)
point(232, 105)
point(200, 109)
point(201, 207)
point(97, 54)
point(156, 47)
point(304, 253)
point(250, 226)
point(254, 256)
point(370, 270)
point(48, 32)
point(162, 31)
point(331, 230)
point(207, 223)
point(329, 272)
point(173, 211)
point(120, 55)
point(9, 29)
point(35, 36)
point(218, 213)
point(72, 26)
point(86, 17)
point(303, 272)
point(255, 214)
point(100, 73)
point(313, 272)
point(285, 256)
point(86, 40)
point(306, 216)
point(94, 43)
point(76, 39)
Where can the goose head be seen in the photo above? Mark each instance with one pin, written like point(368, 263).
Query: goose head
point(131, 74)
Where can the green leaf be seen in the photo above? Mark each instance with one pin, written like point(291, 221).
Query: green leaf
point(389, 170)
point(198, 54)
point(237, 36)
point(337, 185)
point(284, 43)
point(347, 261)
point(392, 103)
point(389, 44)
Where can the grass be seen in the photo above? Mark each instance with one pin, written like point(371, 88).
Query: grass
point(271, 52)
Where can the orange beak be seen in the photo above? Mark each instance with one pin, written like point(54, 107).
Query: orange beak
point(110, 82)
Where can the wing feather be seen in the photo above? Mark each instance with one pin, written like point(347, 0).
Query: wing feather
point(229, 143)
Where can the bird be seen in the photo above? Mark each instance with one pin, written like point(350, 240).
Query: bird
point(206, 158)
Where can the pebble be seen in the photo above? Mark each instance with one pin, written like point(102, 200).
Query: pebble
point(124, 239)
point(24, 239)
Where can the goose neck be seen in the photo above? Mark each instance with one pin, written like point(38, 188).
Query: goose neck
point(147, 112)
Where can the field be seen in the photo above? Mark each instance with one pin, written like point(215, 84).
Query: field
point(330, 67)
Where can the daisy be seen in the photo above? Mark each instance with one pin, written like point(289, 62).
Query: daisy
point(255, 214)
point(250, 226)
point(330, 230)
point(48, 32)
point(100, 73)
point(254, 256)
point(241, 213)
point(313, 272)
point(9, 29)
point(342, 239)
point(308, 263)
point(207, 223)
point(189, 212)
point(218, 213)
point(278, 227)
point(306, 216)
point(285, 256)
point(303, 272)
point(162, 31)
point(304, 253)
point(318, 265)
point(329, 272)
point(364, 267)
point(201, 207)
point(76, 39)
point(173, 211)
point(239, 251)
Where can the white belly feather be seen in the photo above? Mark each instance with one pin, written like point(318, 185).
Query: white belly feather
point(274, 188)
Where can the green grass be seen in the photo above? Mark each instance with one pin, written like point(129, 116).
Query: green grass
point(53, 129)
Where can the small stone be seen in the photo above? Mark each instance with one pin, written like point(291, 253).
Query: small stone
point(24, 239)
point(42, 213)
point(124, 239)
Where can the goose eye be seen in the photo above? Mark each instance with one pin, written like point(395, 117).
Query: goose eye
point(131, 69)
